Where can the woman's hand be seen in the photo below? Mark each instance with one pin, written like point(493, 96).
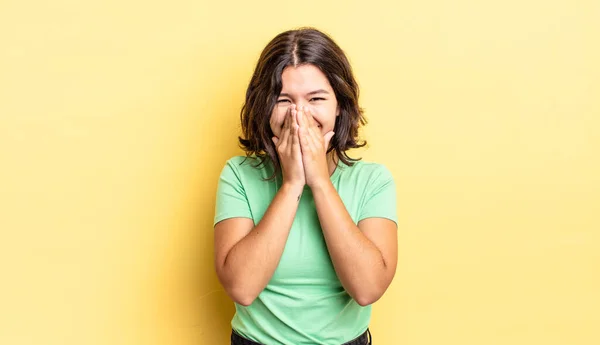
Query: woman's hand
point(314, 148)
point(288, 150)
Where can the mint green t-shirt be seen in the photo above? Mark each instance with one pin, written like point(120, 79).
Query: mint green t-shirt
point(304, 302)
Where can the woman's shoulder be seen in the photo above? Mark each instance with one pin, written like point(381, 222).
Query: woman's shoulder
point(246, 165)
point(236, 160)
point(366, 174)
point(368, 167)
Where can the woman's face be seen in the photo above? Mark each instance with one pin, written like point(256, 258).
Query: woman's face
point(305, 85)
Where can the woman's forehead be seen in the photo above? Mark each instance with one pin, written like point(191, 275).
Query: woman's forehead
point(303, 79)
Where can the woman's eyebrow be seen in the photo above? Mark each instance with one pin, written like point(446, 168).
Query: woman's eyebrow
point(316, 92)
point(308, 94)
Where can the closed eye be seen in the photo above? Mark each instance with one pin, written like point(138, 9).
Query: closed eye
point(282, 100)
point(317, 99)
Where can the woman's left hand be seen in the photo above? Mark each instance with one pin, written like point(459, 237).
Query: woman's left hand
point(314, 148)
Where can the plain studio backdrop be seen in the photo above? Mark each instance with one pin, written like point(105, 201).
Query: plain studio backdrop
point(116, 118)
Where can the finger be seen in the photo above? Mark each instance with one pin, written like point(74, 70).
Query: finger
point(288, 117)
point(308, 142)
point(303, 138)
point(299, 130)
point(295, 117)
point(296, 139)
point(286, 120)
point(295, 125)
point(291, 130)
point(275, 140)
point(292, 110)
point(314, 129)
point(300, 117)
point(308, 132)
point(314, 140)
point(305, 122)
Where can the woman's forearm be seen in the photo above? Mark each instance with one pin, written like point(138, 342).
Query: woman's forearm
point(251, 262)
point(359, 264)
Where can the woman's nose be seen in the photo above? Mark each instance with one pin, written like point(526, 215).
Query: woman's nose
point(301, 104)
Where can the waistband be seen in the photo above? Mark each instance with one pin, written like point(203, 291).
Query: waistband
point(363, 339)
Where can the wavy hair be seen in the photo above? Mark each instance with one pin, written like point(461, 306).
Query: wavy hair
point(294, 48)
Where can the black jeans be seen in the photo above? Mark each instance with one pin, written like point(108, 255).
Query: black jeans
point(363, 339)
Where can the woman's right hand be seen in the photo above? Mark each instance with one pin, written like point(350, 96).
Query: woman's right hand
point(288, 150)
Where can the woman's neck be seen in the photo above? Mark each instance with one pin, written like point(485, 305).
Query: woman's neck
point(332, 160)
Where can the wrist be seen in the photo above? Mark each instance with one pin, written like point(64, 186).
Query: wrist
point(292, 187)
point(322, 184)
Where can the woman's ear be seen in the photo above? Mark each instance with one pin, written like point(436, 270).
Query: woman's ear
point(337, 111)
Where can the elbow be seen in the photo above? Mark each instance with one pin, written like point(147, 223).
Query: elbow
point(245, 301)
point(367, 297)
point(241, 296)
point(240, 293)
point(366, 300)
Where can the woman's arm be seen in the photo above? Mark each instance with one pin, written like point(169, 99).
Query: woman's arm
point(246, 256)
point(364, 256)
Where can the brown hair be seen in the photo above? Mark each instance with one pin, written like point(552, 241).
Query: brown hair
point(294, 48)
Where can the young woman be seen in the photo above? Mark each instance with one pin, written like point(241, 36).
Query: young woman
point(305, 236)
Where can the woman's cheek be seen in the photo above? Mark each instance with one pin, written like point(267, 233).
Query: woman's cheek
point(277, 123)
point(276, 130)
point(320, 115)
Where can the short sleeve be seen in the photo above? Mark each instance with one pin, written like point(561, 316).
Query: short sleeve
point(231, 197)
point(380, 198)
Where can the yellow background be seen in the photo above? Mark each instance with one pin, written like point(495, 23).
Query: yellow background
point(116, 118)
